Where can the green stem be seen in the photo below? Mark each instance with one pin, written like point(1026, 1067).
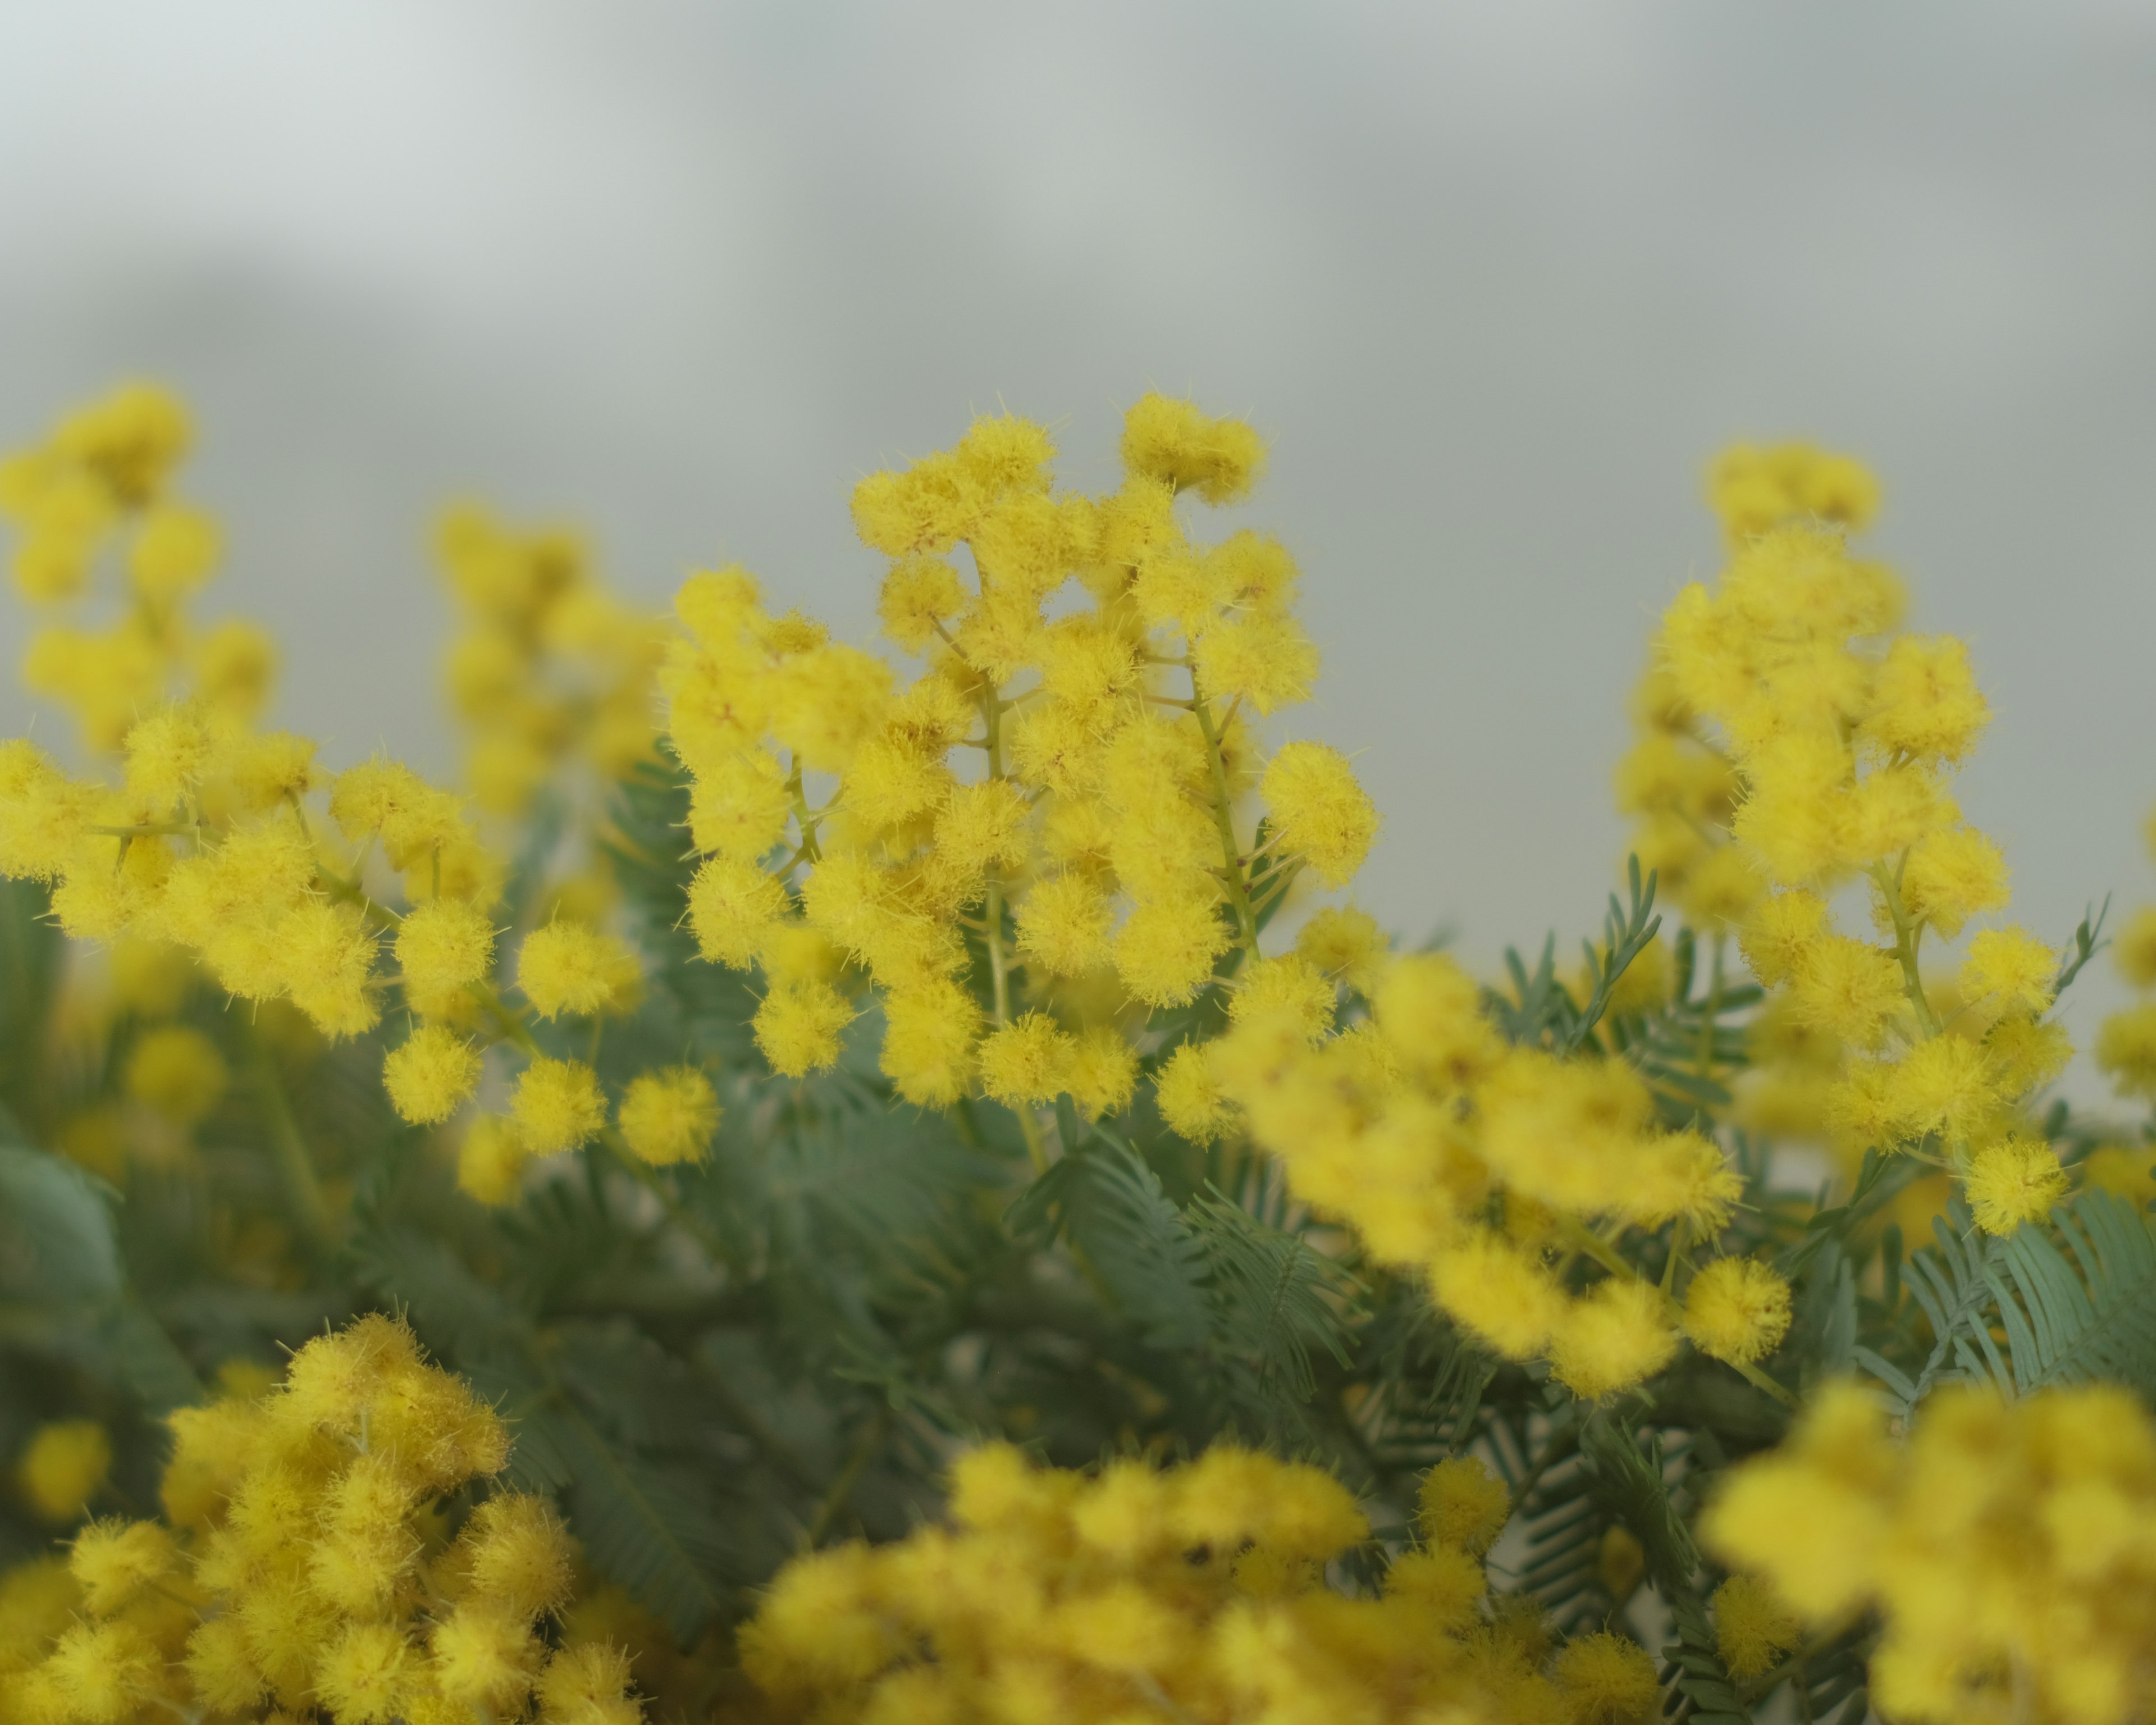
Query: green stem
point(802, 816)
point(992, 708)
point(1906, 936)
point(148, 830)
point(1231, 856)
point(677, 1213)
point(311, 1209)
point(1706, 1024)
point(511, 1025)
point(842, 1488)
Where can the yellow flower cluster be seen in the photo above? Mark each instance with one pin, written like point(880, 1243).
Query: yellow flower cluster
point(1037, 820)
point(310, 1561)
point(103, 480)
point(1410, 1122)
point(1792, 742)
point(217, 850)
point(1194, 1593)
point(2009, 1549)
point(549, 666)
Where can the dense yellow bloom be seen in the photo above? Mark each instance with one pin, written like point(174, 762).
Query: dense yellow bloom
point(320, 1565)
point(1105, 846)
point(1195, 1591)
point(1042, 863)
point(2006, 1546)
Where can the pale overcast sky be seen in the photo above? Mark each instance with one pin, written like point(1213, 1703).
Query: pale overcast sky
point(1495, 278)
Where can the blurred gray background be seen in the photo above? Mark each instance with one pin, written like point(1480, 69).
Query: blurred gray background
point(1495, 278)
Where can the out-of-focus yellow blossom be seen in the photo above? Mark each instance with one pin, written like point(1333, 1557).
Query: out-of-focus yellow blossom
point(490, 1159)
point(2008, 1547)
point(63, 1466)
point(177, 1072)
point(549, 671)
point(2126, 1041)
point(311, 1559)
point(669, 1116)
point(1194, 1591)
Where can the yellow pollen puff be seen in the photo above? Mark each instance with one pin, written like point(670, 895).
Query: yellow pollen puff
point(2133, 950)
point(739, 804)
point(1431, 1014)
point(1165, 950)
point(588, 1686)
point(63, 1467)
point(570, 968)
point(485, 1657)
point(1499, 1292)
point(732, 907)
point(1030, 1060)
point(799, 1027)
point(1752, 1628)
point(2126, 1049)
point(1174, 442)
point(1614, 1338)
point(1345, 943)
point(114, 1561)
point(1952, 876)
point(170, 752)
point(1606, 1680)
point(1190, 1097)
point(234, 664)
point(2014, 1181)
point(557, 1106)
point(1102, 1073)
point(669, 1116)
point(443, 947)
point(1266, 660)
point(1737, 1309)
point(431, 1074)
point(1291, 986)
point(1322, 813)
point(1063, 923)
point(1463, 1504)
point(2012, 965)
point(174, 551)
point(1928, 703)
point(1847, 989)
point(931, 1027)
point(919, 594)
